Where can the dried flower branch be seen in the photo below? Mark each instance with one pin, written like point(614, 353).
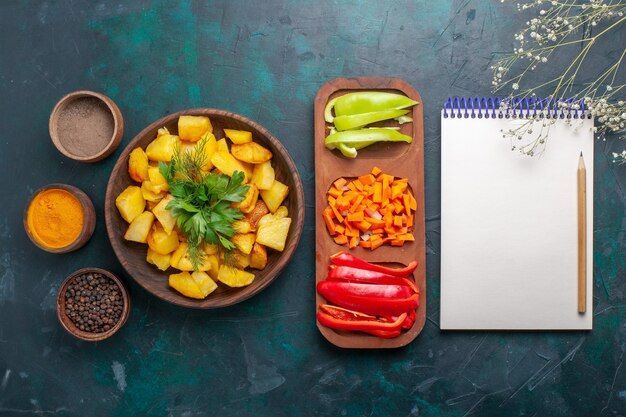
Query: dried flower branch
point(558, 27)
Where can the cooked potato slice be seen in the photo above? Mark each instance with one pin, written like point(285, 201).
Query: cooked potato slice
point(180, 251)
point(227, 165)
point(209, 248)
point(275, 195)
point(130, 203)
point(241, 226)
point(162, 148)
point(252, 153)
point(140, 227)
point(138, 165)
point(238, 136)
point(249, 202)
point(156, 179)
point(281, 212)
point(192, 128)
point(167, 220)
point(148, 193)
point(241, 260)
point(204, 281)
point(209, 148)
point(162, 242)
point(258, 256)
point(190, 286)
point(265, 220)
point(263, 175)
point(215, 266)
point(182, 261)
point(186, 147)
point(234, 277)
point(244, 242)
point(253, 217)
point(222, 146)
point(160, 261)
point(273, 234)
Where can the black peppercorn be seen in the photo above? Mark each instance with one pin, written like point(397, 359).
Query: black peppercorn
point(93, 302)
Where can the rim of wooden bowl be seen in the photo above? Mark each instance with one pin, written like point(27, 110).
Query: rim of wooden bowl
point(118, 125)
point(89, 218)
point(71, 328)
point(211, 301)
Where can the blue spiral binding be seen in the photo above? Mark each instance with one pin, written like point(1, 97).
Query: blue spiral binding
point(490, 107)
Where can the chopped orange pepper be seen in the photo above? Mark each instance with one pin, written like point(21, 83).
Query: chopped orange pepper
point(338, 215)
point(375, 242)
point(367, 179)
point(378, 193)
point(334, 192)
point(340, 239)
point(397, 221)
point(340, 183)
point(365, 244)
point(356, 217)
point(330, 225)
point(360, 199)
point(363, 225)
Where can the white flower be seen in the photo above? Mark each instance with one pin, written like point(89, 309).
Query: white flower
point(515, 86)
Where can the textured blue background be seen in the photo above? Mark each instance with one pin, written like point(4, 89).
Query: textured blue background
point(265, 357)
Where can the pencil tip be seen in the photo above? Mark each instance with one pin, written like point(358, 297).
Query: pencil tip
point(581, 154)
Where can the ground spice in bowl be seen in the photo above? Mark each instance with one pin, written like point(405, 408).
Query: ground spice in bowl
point(86, 126)
point(55, 217)
point(59, 218)
point(92, 304)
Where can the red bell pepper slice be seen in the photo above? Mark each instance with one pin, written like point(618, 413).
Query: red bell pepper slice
point(411, 284)
point(408, 323)
point(365, 290)
point(345, 314)
point(369, 305)
point(349, 273)
point(385, 334)
point(359, 324)
point(343, 258)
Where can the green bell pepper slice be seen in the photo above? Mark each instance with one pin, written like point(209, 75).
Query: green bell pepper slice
point(349, 141)
point(356, 121)
point(366, 102)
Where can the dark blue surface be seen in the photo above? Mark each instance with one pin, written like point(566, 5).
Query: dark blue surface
point(265, 356)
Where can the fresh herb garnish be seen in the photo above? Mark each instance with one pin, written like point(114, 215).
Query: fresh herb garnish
point(202, 202)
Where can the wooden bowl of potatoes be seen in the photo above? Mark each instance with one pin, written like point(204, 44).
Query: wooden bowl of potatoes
point(204, 208)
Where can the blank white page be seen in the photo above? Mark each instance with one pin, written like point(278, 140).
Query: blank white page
point(509, 230)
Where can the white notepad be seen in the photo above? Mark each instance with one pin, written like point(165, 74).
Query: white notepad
point(509, 251)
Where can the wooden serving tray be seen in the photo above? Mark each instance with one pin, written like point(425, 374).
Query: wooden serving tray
point(397, 159)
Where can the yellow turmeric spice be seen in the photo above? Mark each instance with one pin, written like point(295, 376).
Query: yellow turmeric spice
point(55, 218)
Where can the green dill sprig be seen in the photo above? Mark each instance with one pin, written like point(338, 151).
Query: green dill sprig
point(202, 203)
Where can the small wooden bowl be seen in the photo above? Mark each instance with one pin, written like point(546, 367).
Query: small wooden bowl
point(86, 126)
point(71, 328)
point(89, 219)
point(132, 255)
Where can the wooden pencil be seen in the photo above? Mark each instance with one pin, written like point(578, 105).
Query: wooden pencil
point(582, 235)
